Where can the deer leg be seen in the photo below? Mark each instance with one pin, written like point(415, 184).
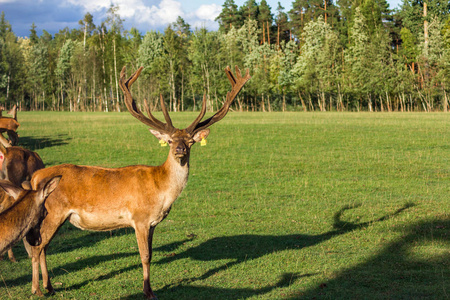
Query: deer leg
point(11, 255)
point(13, 137)
point(48, 229)
point(144, 238)
point(45, 278)
point(27, 247)
point(35, 253)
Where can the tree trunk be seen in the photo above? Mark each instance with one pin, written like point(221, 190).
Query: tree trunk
point(305, 109)
point(263, 107)
point(182, 90)
point(115, 75)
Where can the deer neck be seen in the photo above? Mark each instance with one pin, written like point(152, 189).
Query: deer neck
point(178, 173)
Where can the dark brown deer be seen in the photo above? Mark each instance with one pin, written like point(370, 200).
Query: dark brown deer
point(101, 199)
point(26, 213)
point(10, 125)
point(17, 165)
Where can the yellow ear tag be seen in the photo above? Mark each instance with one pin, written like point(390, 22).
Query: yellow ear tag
point(163, 143)
point(203, 142)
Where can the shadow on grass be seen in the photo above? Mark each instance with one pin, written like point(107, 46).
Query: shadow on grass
point(73, 267)
point(207, 292)
point(242, 248)
point(41, 142)
point(238, 249)
point(401, 270)
point(70, 238)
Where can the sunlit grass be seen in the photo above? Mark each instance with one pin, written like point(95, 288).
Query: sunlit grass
point(278, 206)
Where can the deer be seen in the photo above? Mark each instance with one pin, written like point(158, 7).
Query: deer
point(17, 165)
point(10, 125)
point(27, 212)
point(139, 196)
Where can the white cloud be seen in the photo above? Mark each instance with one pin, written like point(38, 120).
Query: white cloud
point(91, 6)
point(53, 15)
point(208, 12)
point(136, 11)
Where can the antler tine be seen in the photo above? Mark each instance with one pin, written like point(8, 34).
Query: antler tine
point(237, 82)
point(160, 125)
point(230, 76)
point(200, 116)
point(131, 104)
point(165, 113)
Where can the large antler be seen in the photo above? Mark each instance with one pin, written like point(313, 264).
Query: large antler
point(151, 121)
point(236, 85)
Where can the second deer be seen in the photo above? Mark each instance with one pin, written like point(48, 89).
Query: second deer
point(102, 199)
point(17, 165)
point(25, 214)
point(10, 125)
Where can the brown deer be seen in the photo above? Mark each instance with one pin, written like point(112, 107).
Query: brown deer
point(101, 199)
point(10, 125)
point(27, 212)
point(16, 165)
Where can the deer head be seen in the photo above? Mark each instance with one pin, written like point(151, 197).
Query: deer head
point(180, 140)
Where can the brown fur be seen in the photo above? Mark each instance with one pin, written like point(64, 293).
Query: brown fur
point(27, 212)
point(17, 167)
point(10, 126)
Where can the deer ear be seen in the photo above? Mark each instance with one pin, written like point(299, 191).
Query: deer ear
point(50, 186)
point(202, 134)
point(26, 185)
point(160, 136)
point(10, 189)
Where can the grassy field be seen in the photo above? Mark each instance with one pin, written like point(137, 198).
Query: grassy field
point(278, 206)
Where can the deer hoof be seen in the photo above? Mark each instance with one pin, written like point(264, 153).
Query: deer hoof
point(38, 293)
point(50, 290)
point(151, 295)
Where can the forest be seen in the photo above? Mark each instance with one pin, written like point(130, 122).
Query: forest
point(321, 55)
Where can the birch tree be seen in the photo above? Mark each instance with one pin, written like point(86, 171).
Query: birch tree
point(315, 67)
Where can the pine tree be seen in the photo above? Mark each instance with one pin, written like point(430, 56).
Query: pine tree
point(265, 20)
point(249, 10)
point(282, 22)
point(229, 16)
point(411, 13)
point(33, 34)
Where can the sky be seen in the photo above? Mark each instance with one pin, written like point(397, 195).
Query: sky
point(145, 15)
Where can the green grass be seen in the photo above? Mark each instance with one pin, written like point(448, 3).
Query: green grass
point(278, 206)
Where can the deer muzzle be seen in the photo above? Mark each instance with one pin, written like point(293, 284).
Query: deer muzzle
point(180, 151)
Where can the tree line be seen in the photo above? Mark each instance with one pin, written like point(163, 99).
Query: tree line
point(320, 55)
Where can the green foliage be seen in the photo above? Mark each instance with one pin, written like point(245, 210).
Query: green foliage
point(229, 17)
point(412, 13)
point(409, 50)
point(367, 58)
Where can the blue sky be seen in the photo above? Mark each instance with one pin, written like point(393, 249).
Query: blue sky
point(145, 15)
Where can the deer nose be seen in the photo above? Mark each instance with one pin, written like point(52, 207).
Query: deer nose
point(180, 149)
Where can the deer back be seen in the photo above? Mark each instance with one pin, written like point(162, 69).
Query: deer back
point(8, 124)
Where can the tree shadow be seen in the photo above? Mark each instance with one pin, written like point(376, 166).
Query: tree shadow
point(400, 271)
point(241, 248)
point(180, 292)
point(41, 142)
